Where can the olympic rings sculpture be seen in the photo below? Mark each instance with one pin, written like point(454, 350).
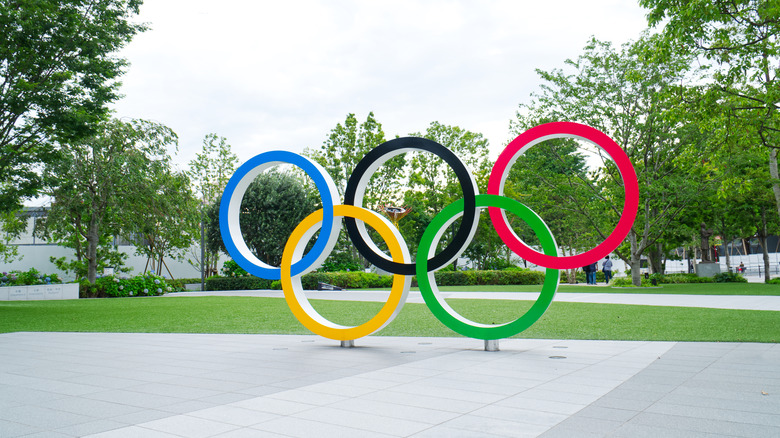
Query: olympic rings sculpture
point(294, 263)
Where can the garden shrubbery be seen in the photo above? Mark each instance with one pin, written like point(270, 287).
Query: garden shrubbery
point(370, 280)
point(28, 278)
point(729, 277)
point(149, 284)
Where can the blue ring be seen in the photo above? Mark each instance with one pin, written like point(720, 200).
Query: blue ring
point(327, 205)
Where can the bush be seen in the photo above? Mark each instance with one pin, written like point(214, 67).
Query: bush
point(149, 284)
point(627, 282)
point(471, 278)
point(729, 277)
point(237, 283)
point(773, 281)
point(28, 278)
point(231, 269)
point(340, 262)
point(680, 278)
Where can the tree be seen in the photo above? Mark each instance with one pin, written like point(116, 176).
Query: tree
point(209, 172)
point(552, 178)
point(432, 185)
point(345, 146)
point(165, 223)
point(101, 183)
point(642, 105)
point(57, 76)
point(273, 205)
point(738, 40)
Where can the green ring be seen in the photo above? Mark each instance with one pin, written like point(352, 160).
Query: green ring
point(452, 319)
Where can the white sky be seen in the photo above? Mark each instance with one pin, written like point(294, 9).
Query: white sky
point(280, 75)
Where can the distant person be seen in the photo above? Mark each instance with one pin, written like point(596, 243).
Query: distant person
point(607, 268)
point(594, 267)
point(586, 270)
point(741, 268)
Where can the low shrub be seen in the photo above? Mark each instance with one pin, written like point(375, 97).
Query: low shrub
point(149, 284)
point(628, 282)
point(370, 280)
point(471, 278)
point(680, 278)
point(773, 281)
point(729, 277)
point(237, 283)
point(28, 278)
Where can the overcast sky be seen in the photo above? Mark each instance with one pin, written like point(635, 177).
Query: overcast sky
point(280, 75)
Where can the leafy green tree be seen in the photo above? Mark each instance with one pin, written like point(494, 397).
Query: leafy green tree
point(553, 179)
point(209, 172)
point(273, 205)
point(738, 41)
point(102, 183)
point(641, 104)
point(345, 146)
point(165, 221)
point(58, 76)
point(432, 184)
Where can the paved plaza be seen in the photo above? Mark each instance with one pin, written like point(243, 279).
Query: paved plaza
point(112, 385)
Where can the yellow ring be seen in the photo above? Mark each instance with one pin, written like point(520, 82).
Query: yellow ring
point(299, 303)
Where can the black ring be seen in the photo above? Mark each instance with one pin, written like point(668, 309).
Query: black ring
point(468, 221)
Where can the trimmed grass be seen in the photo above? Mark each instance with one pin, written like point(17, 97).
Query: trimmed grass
point(271, 316)
point(677, 289)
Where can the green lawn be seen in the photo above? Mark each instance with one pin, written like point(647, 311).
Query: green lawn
point(271, 315)
point(689, 289)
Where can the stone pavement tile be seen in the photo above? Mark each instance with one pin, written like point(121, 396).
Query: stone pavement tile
point(555, 407)
point(715, 414)
point(706, 425)
point(141, 416)
point(90, 428)
point(424, 401)
point(590, 425)
point(12, 429)
point(525, 416)
point(187, 406)
point(604, 413)
point(428, 415)
point(631, 430)
point(495, 426)
point(133, 432)
point(364, 421)
point(43, 418)
point(273, 406)
point(132, 398)
point(90, 407)
point(233, 415)
point(451, 432)
point(454, 393)
point(307, 397)
point(302, 428)
point(722, 400)
point(187, 426)
point(177, 391)
point(247, 432)
point(559, 396)
point(19, 395)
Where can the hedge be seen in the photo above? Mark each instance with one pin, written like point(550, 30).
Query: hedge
point(364, 280)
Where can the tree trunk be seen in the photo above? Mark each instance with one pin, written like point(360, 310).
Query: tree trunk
point(762, 241)
point(93, 238)
point(636, 275)
point(775, 178)
point(726, 242)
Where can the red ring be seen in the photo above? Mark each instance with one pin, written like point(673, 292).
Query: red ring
point(547, 131)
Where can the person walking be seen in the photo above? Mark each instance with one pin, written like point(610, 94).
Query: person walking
point(607, 268)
